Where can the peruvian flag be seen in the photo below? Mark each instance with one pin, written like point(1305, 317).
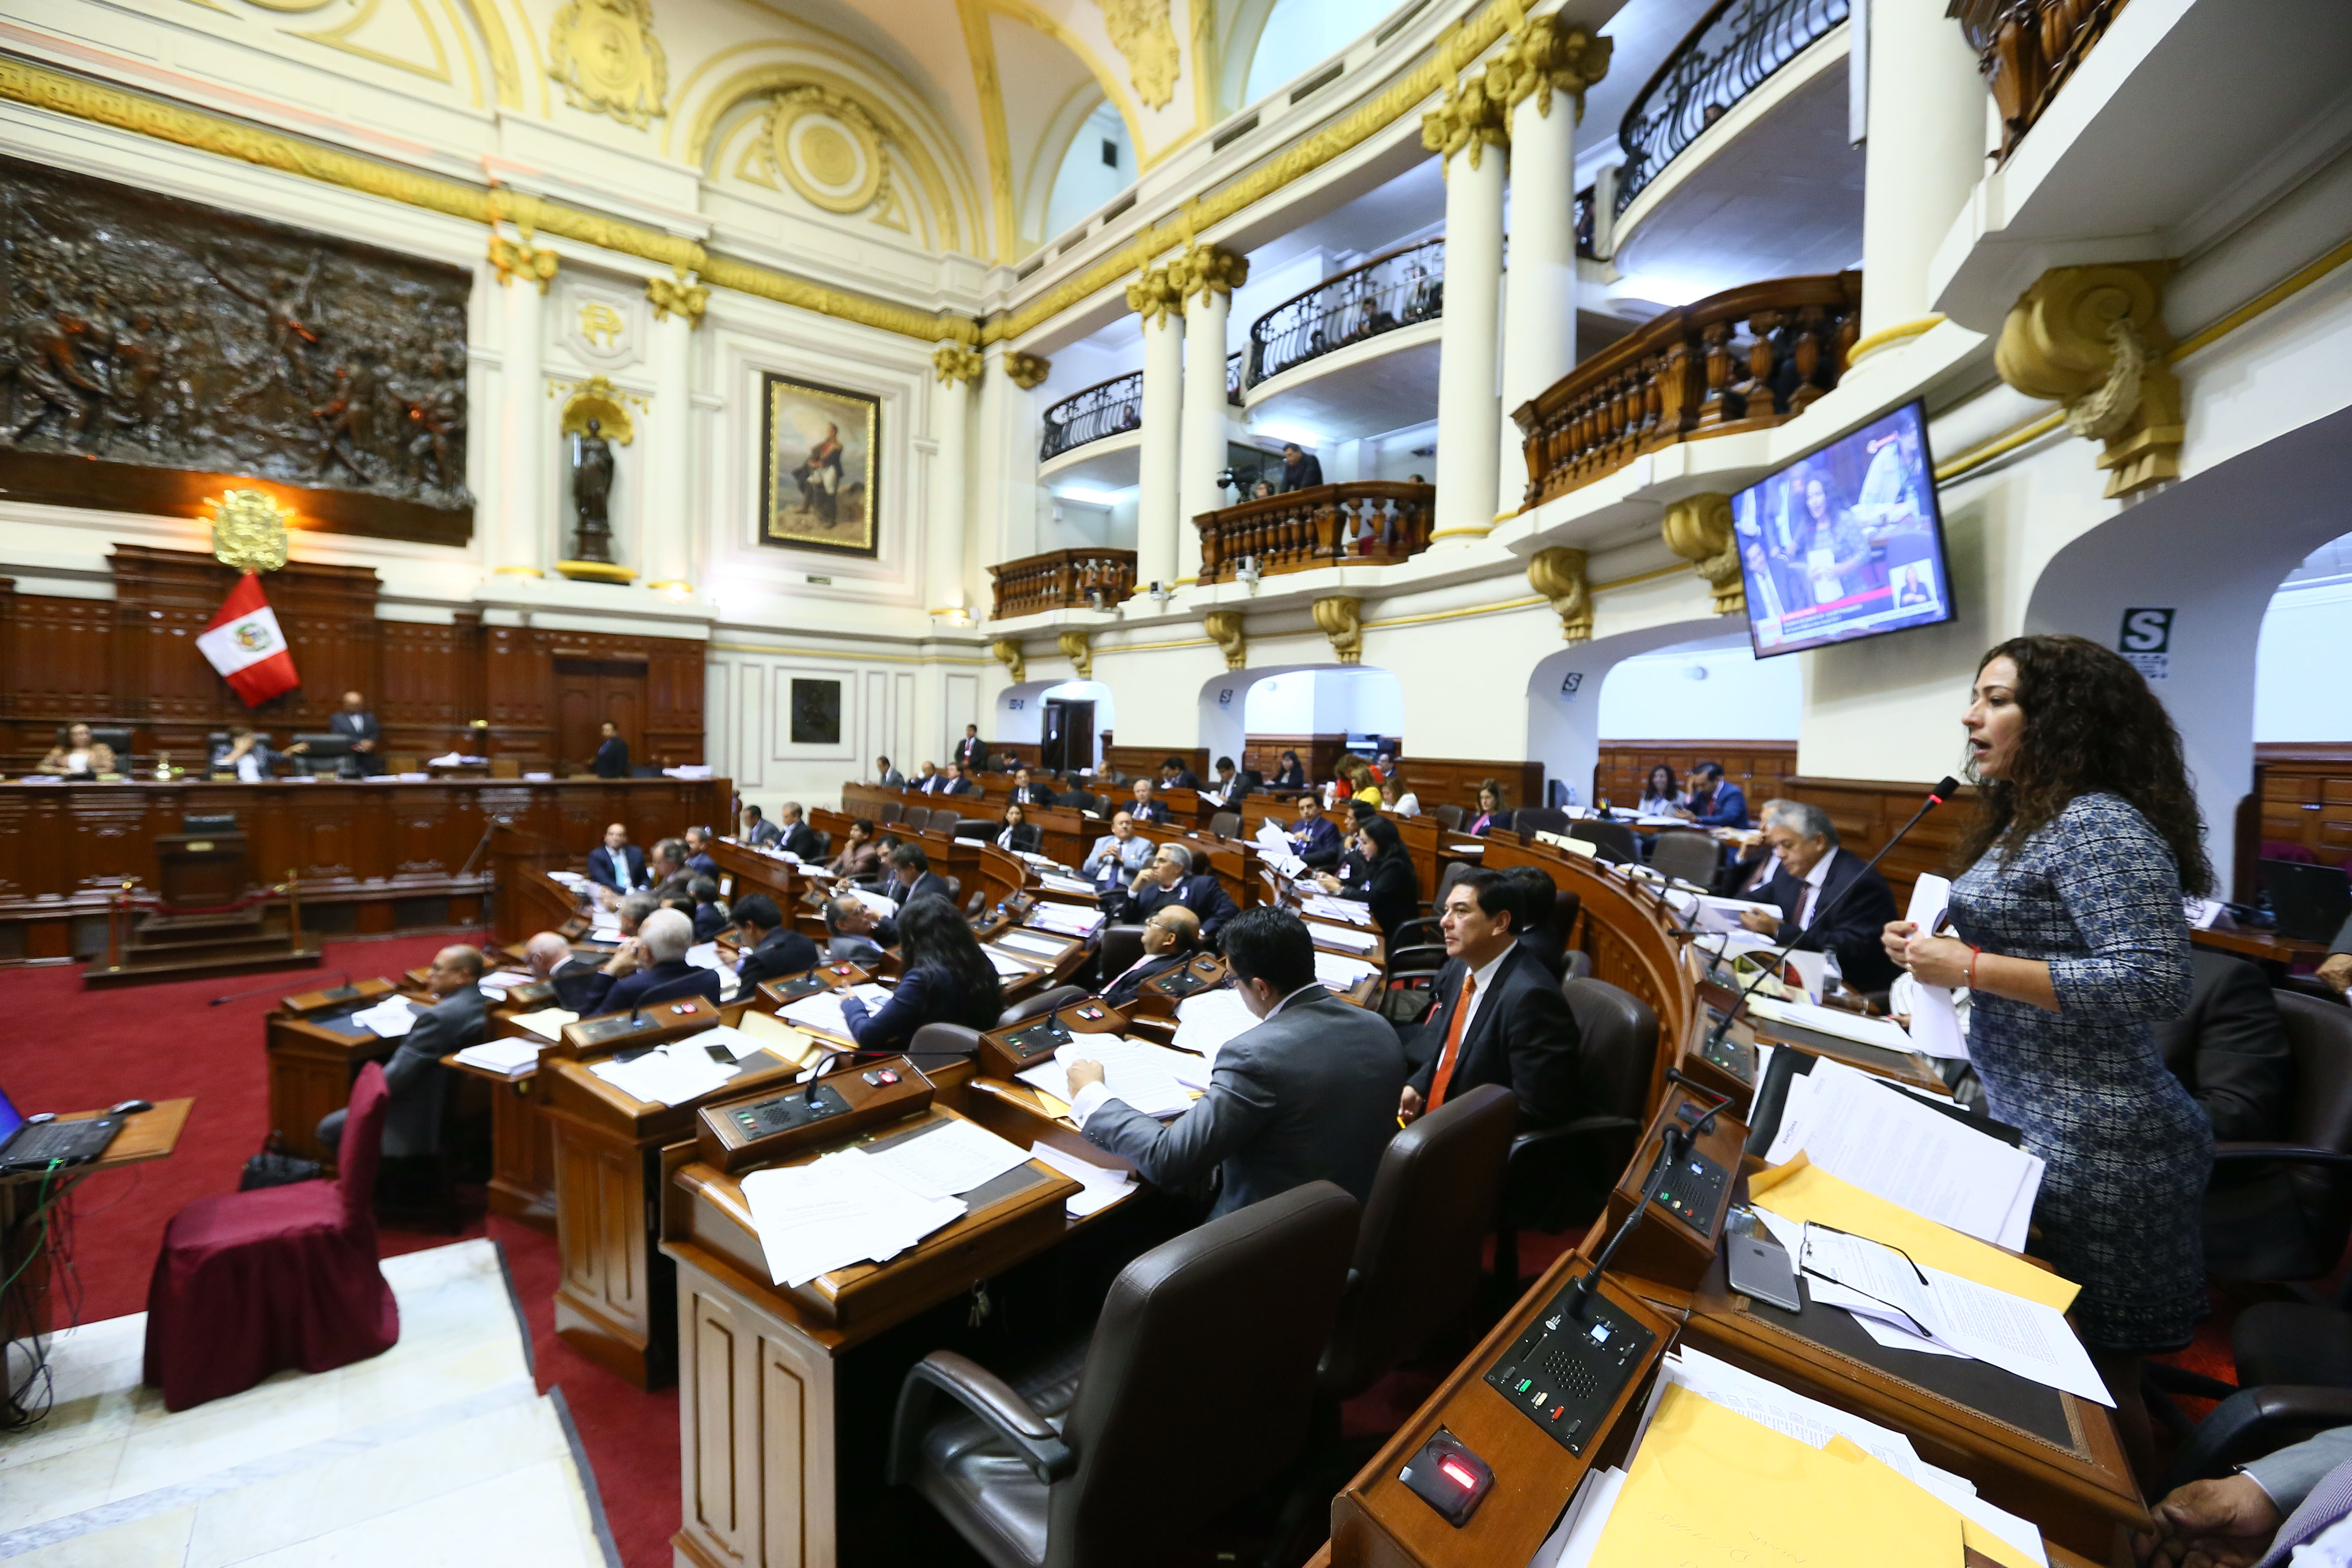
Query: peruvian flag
point(246, 646)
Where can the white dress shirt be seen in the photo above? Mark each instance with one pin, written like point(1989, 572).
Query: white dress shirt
point(1810, 900)
point(1094, 1096)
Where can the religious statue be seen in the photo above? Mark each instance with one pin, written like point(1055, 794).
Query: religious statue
point(591, 493)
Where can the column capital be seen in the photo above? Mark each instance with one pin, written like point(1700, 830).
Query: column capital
point(1698, 529)
point(522, 260)
point(1469, 117)
point(1026, 370)
point(1542, 56)
point(1203, 268)
point(1225, 629)
point(1156, 293)
point(1558, 574)
point(1341, 620)
point(957, 364)
point(2094, 339)
point(689, 299)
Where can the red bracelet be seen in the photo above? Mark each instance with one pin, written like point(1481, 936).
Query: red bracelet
point(1975, 952)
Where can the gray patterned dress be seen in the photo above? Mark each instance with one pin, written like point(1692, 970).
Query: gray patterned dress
point(2096, 894)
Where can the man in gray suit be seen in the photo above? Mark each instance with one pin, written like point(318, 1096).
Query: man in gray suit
point(1309, 1095)
point(414, 1074)
point(887, 776)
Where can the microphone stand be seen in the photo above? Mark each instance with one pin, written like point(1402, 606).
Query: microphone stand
point(1673, 1144)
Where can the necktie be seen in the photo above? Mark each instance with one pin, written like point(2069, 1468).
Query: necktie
point(2329, 1501)
point(1445, 1078)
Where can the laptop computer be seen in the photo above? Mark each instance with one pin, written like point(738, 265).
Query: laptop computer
point(35, 1145)
point(2307, 901)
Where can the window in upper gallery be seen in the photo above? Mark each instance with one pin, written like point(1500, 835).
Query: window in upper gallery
point(1300, 34)
point(1097, 165)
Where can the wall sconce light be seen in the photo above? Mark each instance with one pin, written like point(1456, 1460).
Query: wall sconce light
point(1247, 573)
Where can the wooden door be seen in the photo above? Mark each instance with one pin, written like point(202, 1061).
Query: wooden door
point(589, 691)
point(1067, 736)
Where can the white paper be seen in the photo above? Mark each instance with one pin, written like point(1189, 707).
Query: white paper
point(1207, 1019)
point(739, 1043)
point(1723, 914)
point(821, 1010)
point(1033, 943)
point(1331, 906)
point(1052, 881)
point(1142, 1077)
point(1343, 936)
point(505, 980)
point(672, 1074)
point(1768, 1403)
point(704, 955)
point(1071, 919)
point(872, 900)
point(954, 1157)
point(388, 1019)
point(1934, 1021)
point(548, 1022)
point(836, 1211)
point(2019, 1221)
point(1895, 1337)
point(1885, 1033)
point(1338, 971)
point(1007, 967)
point(2021, 1534)
point(1579, 1536)
point(509, 1054)
point(1103, 1185)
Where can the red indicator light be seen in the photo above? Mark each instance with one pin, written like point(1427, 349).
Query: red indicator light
point(1461, 1477)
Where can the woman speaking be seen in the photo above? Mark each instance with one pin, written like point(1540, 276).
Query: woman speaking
point(2073, 942)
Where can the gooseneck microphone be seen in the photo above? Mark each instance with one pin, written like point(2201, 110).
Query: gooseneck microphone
point(1673, 1144)
point(1945, 789)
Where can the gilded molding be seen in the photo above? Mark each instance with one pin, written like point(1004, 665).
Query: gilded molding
point(598, 399)
point(532, 265)
point(668, 294)
point(1078, 645)
point(1203, 268)
point(1342, 621)
point(1225, 629)
point(1698, 529)
point(1558, 574)
point(1144, 37)
point(1007, 652)
point(1157, 294)
point(847, 190)
point(2092, 338)
point(1469, 120)
point(1542, 58)
point(605, 56)
point(954, 364)
point(1027, 371)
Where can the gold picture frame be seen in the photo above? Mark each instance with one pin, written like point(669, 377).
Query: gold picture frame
point(818, 485)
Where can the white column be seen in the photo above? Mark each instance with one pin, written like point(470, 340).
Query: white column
point(1926, 153)
point(1469, 415)
point(668, 531)
point(950, 520)
point(1159, 522)
point(1539, 290)
point(521, 538)
point(1204, 421)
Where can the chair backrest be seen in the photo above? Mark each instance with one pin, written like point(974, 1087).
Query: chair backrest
point(703, 982)
point(1686, 853)
point(823, 843)
point(1122, 946)
point(1227, 824)
point(1618, 1048)
point(1040, 1004)
point(1614, 839)
point(1530, 820)
point(1454, 873)
point(356, 1157)
point(974, 827)
point(1420, 1252)
point(1450, 814)
point(2319, 1036)
point(114, 737)
point(975, 904)
point(889, 811)
point(1205, 1350)
point(938, 1045)
point(1576, 964)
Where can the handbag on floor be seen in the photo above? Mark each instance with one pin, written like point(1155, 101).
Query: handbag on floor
point(274, 1167)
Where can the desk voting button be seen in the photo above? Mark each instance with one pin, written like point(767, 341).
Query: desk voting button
point(1448, 1477)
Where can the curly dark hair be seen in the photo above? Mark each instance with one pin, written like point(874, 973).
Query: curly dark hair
point(2090, 724)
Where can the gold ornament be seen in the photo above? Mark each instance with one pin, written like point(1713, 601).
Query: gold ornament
point(1540, 56)
point(598, 399)
point(604, 54)
point(1558, 574)
point(1224, 629)
point(1468, 118)
point(1342, 621)
point(1142, 32)
point(2094, 339)
point(1079, 648)
point(1156, 294)
point(1203, 268)
point(828, 147)
point(688, 299)
point(512, 260)
point(1027, 371)
point(954, 363)
point(1007, 652)
point(1698, 529)
point(249, 531)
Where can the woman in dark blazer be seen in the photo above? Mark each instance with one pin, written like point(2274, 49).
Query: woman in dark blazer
point(1021, 835)
point(1292, 774)
point(1389, 884)
point(1492, 812)
point(946, 979)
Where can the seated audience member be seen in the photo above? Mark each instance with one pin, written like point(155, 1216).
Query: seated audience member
point(1714, 801)
point(1813, 874)
point(551, 958)
point(1174, 774)
point(2336, 969)
point(2291, 1505)
point(1308, 1094)
point(861, 858)
point(651, 967)
point(697, 852)
point(710, 916)
point(667, 870)
point(79, 755)
point(616, 865)
point(1660, 796)
point(1174, 877)
point(1020, 835)
point(928, 780)
point(1388, 883)
point(1117, 855)
point(855, 932)
point(2230, 1050)
point(1493, 810)
point(767, 947)
point(887, 776)
point(797, 837)
point(414, 1074)
point(944, 978)
point(757, 831)
point(1170, 937)
point(912, 878)
point(1314, 838)
point(1538, 916)
point(1230, 786)
point(1028, 791)
point(1403, 802)
point(966, 781)
point(1291, 775)
point(1361, 783)
point(246, 754)
point(1499, 1017)
point(1147, 806)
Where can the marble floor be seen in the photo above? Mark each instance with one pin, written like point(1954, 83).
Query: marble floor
point(439, 1451)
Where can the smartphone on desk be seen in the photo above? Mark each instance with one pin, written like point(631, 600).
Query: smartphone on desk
point(1760, 1266)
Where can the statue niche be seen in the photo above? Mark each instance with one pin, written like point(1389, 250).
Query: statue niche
point(155, 352)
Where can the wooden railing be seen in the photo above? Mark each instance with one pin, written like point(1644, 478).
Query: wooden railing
point(2027, 49)
point(1363, 522)
point(1745, 359)
point(1391, 291)
point(1733, 50)
point(1103, 409)
point(1063, 579)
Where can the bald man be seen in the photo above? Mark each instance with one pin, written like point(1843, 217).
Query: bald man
point(575, 979)
point(616, 865)
point(1170, 937)
point(414, 1074)
point(652, 967)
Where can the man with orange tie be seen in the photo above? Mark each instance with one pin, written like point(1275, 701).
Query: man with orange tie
point(1499, 1017)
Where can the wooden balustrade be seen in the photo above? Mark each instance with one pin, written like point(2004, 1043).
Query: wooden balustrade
point(2026, 51)
point(1363, 522)
point(1745, 359)
point(1063, 579)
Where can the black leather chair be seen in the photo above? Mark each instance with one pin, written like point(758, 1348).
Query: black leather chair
point(1614, 840)
point(115, 737)
point(1688, 854)
point(941, 1045)
point(1559, 1177)
point(1530, 820)
point(1225, 824)
point(1040, 1004)
point(1576, 964)
point(1452, 874)
point(889, 811)
point(2283, 1212)
point(1122, 946)
point(1449, 815)
point(1194, 1392)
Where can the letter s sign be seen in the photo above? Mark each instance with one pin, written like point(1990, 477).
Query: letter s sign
point(2146, 631)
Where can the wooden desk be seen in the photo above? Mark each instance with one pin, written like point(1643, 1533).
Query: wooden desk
point(145, 1135)
point(314, 1050)
point(2281, 953)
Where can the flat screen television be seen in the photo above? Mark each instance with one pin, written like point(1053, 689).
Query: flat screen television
point(1846, 543)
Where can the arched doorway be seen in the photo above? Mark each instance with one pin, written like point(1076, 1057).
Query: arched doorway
point(1298, 702)
point(1564, 696)
point(1069, 716)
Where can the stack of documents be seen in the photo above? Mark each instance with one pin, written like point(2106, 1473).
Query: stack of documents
point(1045, 950)
point(548, 1022)
point(821, 1010)
point(1207, 1019)
point(1143, 1076)
point(673, 1074)
point(1885, 1033)
point(388, 1019)
point(1330, 907)
point(872, 900)
point(1865, 1131)
point(844, 1208)
point(1340, 973)
point(496, 986)
point(704, 955)
point(1007, 967)
point(509, 1056)
point(955, 1156)
point(1055, 882)
point(1070, 920)
point(1723, 914)
point(1104, 1185)
point(1348, 937)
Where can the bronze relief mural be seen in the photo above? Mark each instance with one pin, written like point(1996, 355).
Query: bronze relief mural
point(156, 351)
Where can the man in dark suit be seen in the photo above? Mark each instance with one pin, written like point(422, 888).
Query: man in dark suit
point(887, 776)
point(966, 781)
point(697, 853)
point(757, 831)
point(1313, 838)
point(2230, 1048)
point(616, 864)
point(971, 749)
point(799, 838)
point(767, 945)
point(1300, 469)
point(612, 753)
point(1499, 1017)
point(1027, 791)
point(710, 916)
point(1172, 878)
point(356, 725)
point(911, 876)
point(1715, 802)
point(1231, 785)
point(1147, 806)
point(667, 870)
point(414, 1074)
point(856, 933)
point(577, 983)
point(1170, 937)
point(651, 968)
point(930, 781)
point(1309, 1094)
point(1174, 774)
point(1813, 873)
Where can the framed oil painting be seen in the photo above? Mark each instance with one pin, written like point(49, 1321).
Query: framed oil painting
point(817, 489)
point(816, 713)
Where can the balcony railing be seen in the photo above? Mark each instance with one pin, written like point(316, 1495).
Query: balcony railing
point(2027, 49)
point(1103, 409)
point(1063, 579)
point(1745, 359)
point(1379, 296)
point(1235, 375)
point(1735, 49)
point(1363, 522)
